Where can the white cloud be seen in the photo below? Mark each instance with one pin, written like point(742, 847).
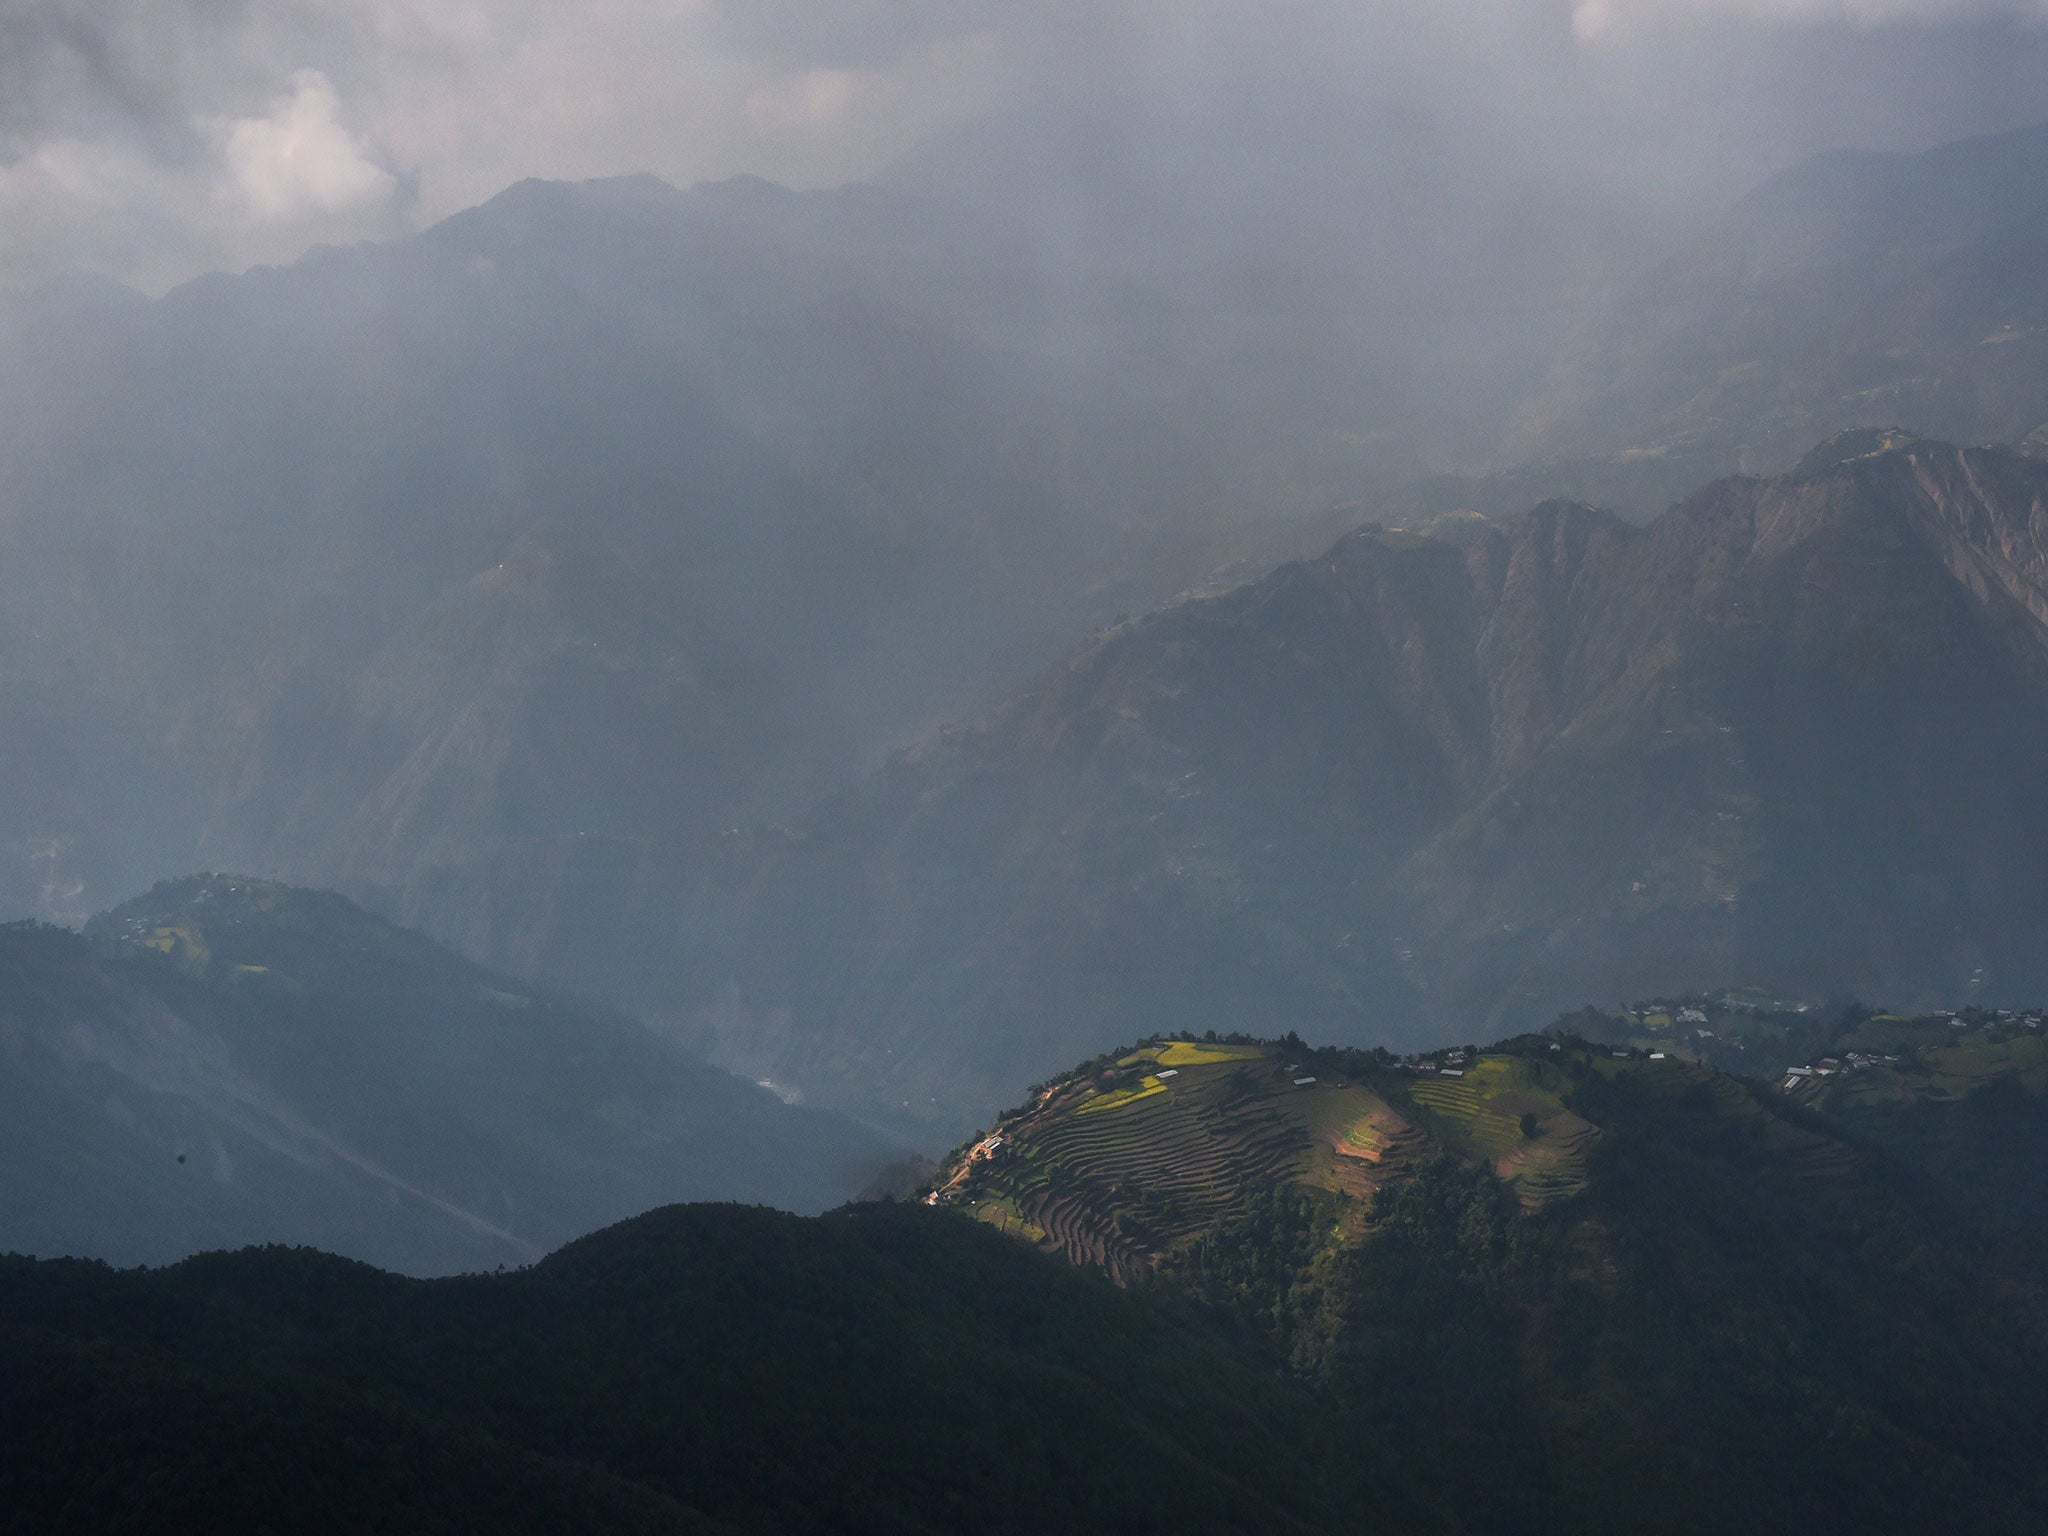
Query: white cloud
point(812, 97)
point(300, 160)
point(1591, 18)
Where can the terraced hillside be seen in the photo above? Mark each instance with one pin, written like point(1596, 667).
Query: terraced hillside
point(1130, 1162)
point(1131, 1158)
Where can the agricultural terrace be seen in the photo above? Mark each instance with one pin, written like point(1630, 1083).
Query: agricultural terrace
point(1132, 1157)
point(1508, 1113)
point(1135, 1155)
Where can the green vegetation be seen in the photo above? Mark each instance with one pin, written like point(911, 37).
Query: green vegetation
point(1190, 1053)
point(1144, 1088)
point(1120, 1166)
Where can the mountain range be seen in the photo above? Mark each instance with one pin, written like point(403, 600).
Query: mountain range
point(725, 690)
point(1794, 732)
point(560, 580)
point(1854, 290)
point(338, 572)
point(227, 1061)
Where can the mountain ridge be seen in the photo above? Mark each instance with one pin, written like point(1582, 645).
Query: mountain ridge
point(1483, 773)
point(223, 1060)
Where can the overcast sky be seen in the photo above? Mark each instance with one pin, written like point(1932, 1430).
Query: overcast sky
point(155, 140)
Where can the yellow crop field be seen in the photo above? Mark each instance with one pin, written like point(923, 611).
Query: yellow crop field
point(1188, 1053)
point(1122, 1096)
point(181, 943)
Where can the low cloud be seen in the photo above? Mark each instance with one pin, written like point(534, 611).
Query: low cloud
point(154, 140)
point(300, 160)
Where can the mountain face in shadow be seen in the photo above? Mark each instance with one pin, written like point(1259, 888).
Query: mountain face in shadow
point(227, 1061)
point(1793, 733)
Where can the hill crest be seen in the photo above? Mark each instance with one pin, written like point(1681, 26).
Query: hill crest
point(1131, 1162)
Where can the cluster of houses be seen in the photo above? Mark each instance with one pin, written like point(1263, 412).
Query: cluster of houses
point(987, 1147)
point(1831, 1066)
point(1863, 1061)
point(1452, 1064)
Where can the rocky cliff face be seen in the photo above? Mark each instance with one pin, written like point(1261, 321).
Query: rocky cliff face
point(1455, 777)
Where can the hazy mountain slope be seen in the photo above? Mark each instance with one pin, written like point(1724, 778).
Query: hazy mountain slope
point(603, 508)
point(702, 1368)
point(1854, 290)
point(224, 1062)
point(1792, 733)
point(614, 512)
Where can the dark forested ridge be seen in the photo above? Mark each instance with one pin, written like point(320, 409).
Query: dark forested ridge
point(882, 1370)
point(226, 1061)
